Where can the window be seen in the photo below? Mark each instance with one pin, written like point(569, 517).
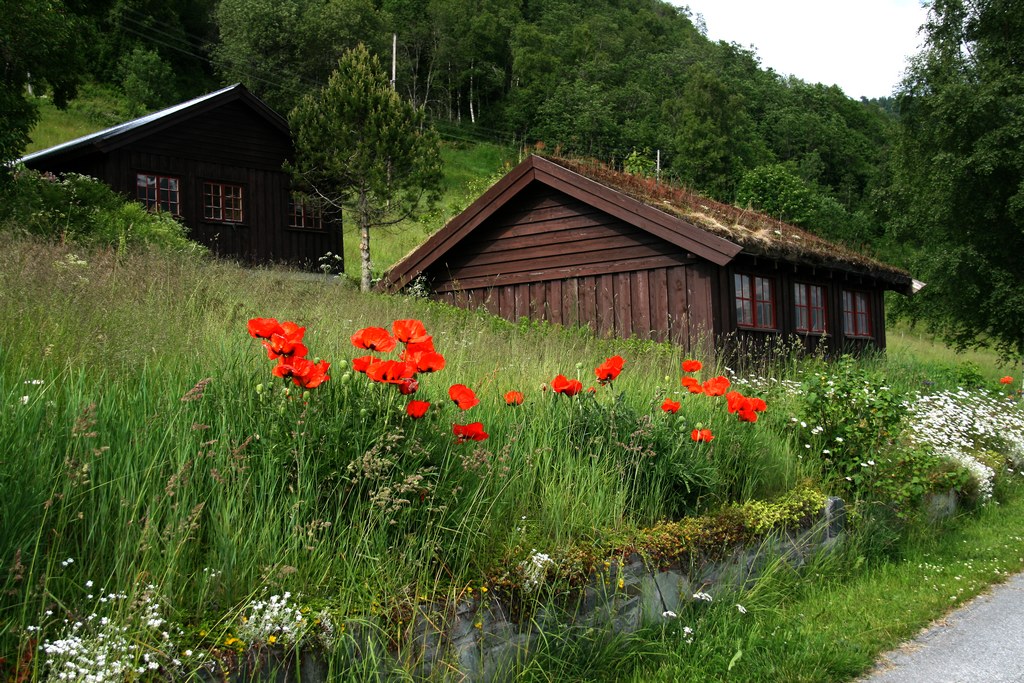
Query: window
point(159, 192)
point(307, 215)
point(856, 314)
point(809, 301)
point(222, 202)
point(755, 301)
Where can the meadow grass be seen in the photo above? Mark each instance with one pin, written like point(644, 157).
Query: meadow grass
point(145, 439)
point(94, 108)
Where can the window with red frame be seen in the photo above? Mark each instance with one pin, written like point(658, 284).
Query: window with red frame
point(222, 202)
point(306, 215)
point(755, 301)
point(159, 192)
point(856, 314)
point(809, 301)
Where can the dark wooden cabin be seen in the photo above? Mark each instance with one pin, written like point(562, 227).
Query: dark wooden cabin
point(580, 244)
point(214, 162)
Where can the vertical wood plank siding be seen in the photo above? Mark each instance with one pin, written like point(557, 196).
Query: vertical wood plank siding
point(551, 256)
point(230, 144)
point(555, 258)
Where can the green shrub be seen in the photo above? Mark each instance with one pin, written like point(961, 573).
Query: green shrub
point(77, 208)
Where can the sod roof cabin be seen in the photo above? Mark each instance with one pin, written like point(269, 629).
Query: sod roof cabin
point(214, 162)
point(579, 244)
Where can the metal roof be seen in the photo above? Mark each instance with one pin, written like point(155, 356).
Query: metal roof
point(100, 139)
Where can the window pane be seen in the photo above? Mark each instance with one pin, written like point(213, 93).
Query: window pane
point(800, 295)
point(764, 315)
point(818, 319)
point(742, 284)
point(745, 312)
point(801, 318)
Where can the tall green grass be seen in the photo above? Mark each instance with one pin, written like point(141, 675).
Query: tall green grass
point(144, 438)
point(121, 463)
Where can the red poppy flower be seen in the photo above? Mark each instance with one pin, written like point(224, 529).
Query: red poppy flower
point(417, 409)
point(374, 339)
point(692, 385)
point(1006, 380)
point(758, 405)
point(471, 432)
point(746, 413)
point(391, 371)
point(362, 363)
point(463, 396)
point(409, 331)
point(427, 361)
point(413, 348)
point(562, 385)
point(514, 398)
point(670, 406)
point(735, 401)
point(716, 386)
point(701, 435)
point(609, 370)
point(692, 366)
point(287, 341)
point(304, 372)
point(409, 386)
point(263, 328)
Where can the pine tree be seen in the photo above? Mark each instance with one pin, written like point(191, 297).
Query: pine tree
point(359, 146)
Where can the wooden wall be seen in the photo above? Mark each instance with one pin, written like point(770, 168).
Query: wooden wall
point(548, 256)
point(784, 276)
point(230, 144)
point(552, 257)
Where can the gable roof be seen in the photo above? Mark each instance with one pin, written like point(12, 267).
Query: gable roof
point(709, 229)
point(125, 133)
point(534, 168)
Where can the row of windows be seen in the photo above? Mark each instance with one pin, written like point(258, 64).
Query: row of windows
point(222, 202)
point(755, 307)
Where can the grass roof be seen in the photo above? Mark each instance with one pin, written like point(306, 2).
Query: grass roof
point(758, 234)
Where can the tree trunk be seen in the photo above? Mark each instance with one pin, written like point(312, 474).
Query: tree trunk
point(364, 243)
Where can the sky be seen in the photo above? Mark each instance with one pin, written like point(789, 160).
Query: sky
point(860, 45)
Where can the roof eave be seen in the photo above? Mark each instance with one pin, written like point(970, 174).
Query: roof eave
point(670, 228)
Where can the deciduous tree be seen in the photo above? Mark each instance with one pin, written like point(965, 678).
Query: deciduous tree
point(39, 46)
point(959, 178)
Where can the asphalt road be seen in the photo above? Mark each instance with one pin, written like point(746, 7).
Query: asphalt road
point(981, 642)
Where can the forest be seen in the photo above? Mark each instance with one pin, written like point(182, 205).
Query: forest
point(636, 84)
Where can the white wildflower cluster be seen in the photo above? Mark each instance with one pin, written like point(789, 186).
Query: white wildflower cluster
point(275, 620)
point(701, 595)
point(766, 385)
point(113, 643)
point(959, 424)
point(534, 569)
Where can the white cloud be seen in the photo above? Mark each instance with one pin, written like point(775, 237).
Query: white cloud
point(862, 46)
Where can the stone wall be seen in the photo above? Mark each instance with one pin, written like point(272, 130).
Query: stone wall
point(478, 640)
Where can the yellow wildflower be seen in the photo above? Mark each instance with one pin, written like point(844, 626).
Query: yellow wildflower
point(272, 639)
